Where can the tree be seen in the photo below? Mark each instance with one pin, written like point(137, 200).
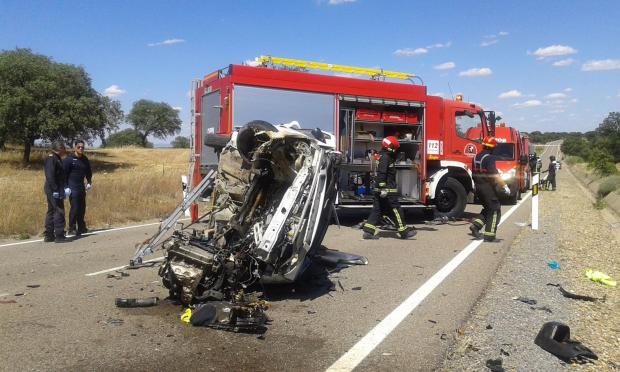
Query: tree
point(43, 99)
point(180, 142)
point(608, 135)
point(112, 116)
point(126, 137)
point(156, 119)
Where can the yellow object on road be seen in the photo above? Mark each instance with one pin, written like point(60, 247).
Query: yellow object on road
point(186, 316)
point(600, 277)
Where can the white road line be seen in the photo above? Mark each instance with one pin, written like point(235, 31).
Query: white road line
point(92, 233)
point(122, 267)
point(368, 343)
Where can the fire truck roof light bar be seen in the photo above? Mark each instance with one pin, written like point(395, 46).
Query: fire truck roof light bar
point(381, 101)
point(372, 72)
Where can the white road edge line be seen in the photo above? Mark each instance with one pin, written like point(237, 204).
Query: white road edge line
point(122, 267)
point(359, 351)
point(92, 233)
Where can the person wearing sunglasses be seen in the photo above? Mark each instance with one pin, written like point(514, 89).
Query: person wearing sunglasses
point(77, 168)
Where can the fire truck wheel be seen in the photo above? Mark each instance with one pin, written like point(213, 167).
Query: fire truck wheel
point(450, 198)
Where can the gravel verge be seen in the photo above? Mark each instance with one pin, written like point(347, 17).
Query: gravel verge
point(578, 237)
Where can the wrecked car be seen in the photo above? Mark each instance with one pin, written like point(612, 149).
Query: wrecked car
point(273, 197)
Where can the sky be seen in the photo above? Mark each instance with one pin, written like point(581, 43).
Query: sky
point(549, 65)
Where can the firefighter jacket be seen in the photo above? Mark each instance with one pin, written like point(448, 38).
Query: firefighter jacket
point(386, 172)
point(76, 169)
point(484, 168)
point(54, 174)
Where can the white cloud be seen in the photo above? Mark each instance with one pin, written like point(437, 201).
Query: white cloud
point(340, 2)
point(556, 111)
point(177, 108)
point(601, 65)
point(442, 94)
point(445, 66)
point(114, 91)
point(440, 45)
point(503, 33)
point(510, 94)
point(554, 51)
point(556, 96)
point(564, 62)
point(409, 52)
point(473, 72)
point(166, 42)
point(568, 89)
point(528, 104)
point(487, 43)
point(574, 100)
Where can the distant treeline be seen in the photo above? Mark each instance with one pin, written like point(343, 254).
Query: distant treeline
point(600, 147)
point(540, 137)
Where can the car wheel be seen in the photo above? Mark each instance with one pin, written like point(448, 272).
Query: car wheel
point(450, 198)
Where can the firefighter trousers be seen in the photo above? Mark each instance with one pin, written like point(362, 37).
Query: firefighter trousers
point(389, 207)
point(78, 210)
point(55, 216)
point(491, 212)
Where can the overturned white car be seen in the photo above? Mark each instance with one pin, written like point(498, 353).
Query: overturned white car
point(273, 198)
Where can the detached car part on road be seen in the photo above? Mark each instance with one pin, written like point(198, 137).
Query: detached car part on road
point(273, 198)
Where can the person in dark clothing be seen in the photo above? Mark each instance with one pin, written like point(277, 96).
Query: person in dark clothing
point(551, 176)
point(386, 195)
point(77, 168)
point(487, 181)
point(55, 194)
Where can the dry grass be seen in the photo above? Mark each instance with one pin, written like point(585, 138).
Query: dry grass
point(129, 184)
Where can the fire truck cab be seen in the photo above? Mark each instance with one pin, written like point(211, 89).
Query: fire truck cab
point(438, 137)
point(512, 160)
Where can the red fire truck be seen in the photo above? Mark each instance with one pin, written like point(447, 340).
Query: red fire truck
point(355, 114)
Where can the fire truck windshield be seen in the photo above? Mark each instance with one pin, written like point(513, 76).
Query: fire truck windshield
point(469, 125)
point(279, 106)
point(505, 151)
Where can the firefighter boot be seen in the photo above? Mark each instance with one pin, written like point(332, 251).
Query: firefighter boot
point(475, 231)
point(407, 233)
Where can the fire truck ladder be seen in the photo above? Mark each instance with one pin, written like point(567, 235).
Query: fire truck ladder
point(147, 246)
point(374, 73)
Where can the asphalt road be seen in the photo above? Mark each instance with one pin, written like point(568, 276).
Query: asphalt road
point(70, 322)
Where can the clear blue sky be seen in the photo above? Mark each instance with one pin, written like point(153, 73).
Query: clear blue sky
point(557, 63)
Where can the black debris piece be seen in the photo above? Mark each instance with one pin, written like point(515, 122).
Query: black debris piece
point(495, 365)
point(33, 285)
point(554, 337)
point(489, 326)
point(443, 336)
point(234, 317)
point(575, 296)
point(340, 285)
point(332, 257)
point(136, 302)
point(504, 352)
point(432, 321)
point(526, 300)
point(19, 294)
point(311, 312)
point(356, 288)
point(543, 308)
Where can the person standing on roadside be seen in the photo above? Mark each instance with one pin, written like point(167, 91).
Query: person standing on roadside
point(55, 194)
point(488, 183)
point(77, 168)
point(553, 166)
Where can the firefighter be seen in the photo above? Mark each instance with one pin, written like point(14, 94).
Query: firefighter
point(55, 194)
point(487, 181)
point(385, 196)
point(77, 168)
point(553, 166)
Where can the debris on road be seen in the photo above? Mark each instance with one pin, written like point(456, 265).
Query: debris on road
point(136, 302)
point(121, 275)
point(526, 300)
point(228, 316)
point(553, 265)
point(33, 285)
point(495, 365)
point(115, 322)
point(543, 308)
point(8, 302)
point(575, 296)
point(554, 337)
point(600, 277)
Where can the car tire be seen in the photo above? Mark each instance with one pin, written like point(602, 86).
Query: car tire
point(450, 199)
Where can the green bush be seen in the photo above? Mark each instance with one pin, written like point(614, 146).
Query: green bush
point(609, 185)
point(602, 162)
point(126, 137)
point(572, 160)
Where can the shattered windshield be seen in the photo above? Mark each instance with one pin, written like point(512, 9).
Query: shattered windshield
point(505, 151)
point(279, 106)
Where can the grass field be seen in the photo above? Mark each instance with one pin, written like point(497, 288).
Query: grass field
point(129, 185)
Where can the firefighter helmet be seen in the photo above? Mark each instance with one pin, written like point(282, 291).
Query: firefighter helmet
point(390, 143)
point(490, 142)
point(552, 158)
